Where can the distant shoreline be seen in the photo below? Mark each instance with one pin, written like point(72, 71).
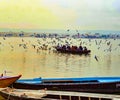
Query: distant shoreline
point(57, 35)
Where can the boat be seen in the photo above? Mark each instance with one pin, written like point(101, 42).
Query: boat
point(8, 80)
point(85, 84)
point(24, 94)
point(70, 51)
point(21, 94)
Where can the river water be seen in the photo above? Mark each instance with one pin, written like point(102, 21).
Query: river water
point(28, 56)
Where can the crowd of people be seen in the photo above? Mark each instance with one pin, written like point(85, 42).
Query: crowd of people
point(72, 48)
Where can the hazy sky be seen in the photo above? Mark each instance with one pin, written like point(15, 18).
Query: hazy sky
point(60, 14)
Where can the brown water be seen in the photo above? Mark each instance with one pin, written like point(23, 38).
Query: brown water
point(25, 56)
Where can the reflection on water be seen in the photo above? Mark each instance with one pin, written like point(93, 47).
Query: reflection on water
point(26, 56)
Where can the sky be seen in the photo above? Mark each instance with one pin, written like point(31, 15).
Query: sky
point(60, 14)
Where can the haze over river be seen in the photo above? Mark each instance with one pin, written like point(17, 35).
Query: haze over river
point(27, 56)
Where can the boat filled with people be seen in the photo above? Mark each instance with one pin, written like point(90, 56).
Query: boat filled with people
point(72, 49)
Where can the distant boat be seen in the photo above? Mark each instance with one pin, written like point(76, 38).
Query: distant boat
point(88, 84)
point(20, 94)
point(72, 51)
point(8, 80)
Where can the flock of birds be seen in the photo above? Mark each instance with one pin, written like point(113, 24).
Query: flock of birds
point(39, 44)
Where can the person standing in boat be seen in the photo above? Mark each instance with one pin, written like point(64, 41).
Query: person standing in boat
point(64, 47)
point(68, 48)
point(85, 48)
point(58, 46)
point(80, 48)
point(74, 48)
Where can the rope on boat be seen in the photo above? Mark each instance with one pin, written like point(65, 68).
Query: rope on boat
point(9, 93)
point(9, 96)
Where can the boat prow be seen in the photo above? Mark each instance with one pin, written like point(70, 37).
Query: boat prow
point(8, 80)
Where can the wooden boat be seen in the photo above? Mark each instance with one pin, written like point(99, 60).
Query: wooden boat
point(88, 84)
point(73, 51)
point(7, 80)
point(20, 94)
point(76, 79)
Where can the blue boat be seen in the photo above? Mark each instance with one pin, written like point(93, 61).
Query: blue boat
point(85, 79)
point(85, 84)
